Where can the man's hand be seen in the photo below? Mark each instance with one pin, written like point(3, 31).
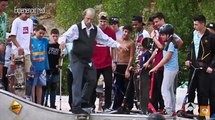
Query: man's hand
point(20, 51)
point(137, 70)
point(146, 65)
point(127, 74)
point(8, 41)
point(12, 65)
point(62, 45)
point(113, 67)
point(123, 47)
point(153, 70)
point(153, 34)
point(209, 70)
point(188, 63)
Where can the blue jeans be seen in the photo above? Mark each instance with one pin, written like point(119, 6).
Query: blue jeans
point(51, 88)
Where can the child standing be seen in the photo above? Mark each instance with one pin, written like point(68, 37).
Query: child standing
point(171, 67)
point(21, 30)
point(54, 53)
point(39, 61)
point(143, 47)
point(143, 74)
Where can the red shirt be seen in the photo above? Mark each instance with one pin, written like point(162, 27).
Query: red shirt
point(101, 55)
point(159, 55)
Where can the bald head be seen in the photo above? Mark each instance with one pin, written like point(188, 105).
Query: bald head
point(89, 15)
point(88, 11)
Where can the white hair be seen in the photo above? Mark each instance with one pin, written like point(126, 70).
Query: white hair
point(89, 10)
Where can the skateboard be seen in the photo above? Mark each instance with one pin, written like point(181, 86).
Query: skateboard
point(82, 117)
point(17, 77)
point(145, 104)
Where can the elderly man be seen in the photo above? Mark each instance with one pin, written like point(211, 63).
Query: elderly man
point(83, 36)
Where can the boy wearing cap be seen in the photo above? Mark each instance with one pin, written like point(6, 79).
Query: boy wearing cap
point(35, 23)
point(211, 27)
point(103, 61)
point(114, 23)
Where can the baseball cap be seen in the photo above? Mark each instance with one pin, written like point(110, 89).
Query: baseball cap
point(113, 20)
point(139, 19)
point(34, 20)
point(103, 15)
point(211, 25)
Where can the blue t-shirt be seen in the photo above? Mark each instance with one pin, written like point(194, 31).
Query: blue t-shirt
point(144, 58)
point(172, 64)
point(39, 53)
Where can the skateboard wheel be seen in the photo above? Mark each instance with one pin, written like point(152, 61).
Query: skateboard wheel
point(82, 117)
point(22, 86)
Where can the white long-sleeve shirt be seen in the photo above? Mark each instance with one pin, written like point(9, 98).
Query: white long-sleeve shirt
point(73, 34)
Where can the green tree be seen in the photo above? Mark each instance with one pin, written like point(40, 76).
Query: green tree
point(207, 8)
point(179, 13)
point(125, 9)
point(70, 11)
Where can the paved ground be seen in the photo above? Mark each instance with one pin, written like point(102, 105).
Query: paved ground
point(181, 92)
point(64, 103)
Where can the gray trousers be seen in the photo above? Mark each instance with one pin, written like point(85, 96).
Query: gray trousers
point(82, 70)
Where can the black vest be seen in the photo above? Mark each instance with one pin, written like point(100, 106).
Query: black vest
point(83, 47)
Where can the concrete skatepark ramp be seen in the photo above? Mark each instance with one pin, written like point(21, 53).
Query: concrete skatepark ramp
point(13, 107)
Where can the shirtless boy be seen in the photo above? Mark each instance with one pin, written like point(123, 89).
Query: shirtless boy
point(121, 67)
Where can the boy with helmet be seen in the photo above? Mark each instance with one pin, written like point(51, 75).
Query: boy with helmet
point(171, 67)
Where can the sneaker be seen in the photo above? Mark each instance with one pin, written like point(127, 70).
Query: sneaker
point(28, 98)
point(123, 110)
point(54, 107)
point(78, 110)
point(174, 114)
point(1, 86)
point(88, 110)
point(146, 112)
point(162, 111)
point(107, 110)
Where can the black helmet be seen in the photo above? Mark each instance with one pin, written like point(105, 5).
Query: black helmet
point(166, 29)
point(156, 116)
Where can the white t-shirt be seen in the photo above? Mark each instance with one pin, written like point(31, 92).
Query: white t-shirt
point(119, 33)
point(22, 30)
